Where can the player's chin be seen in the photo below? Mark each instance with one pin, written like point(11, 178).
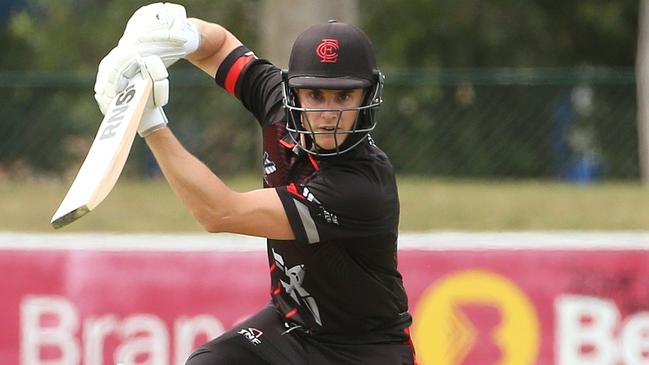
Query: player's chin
point(329, 141)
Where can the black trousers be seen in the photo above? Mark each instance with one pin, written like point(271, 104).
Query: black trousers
point(264, 339)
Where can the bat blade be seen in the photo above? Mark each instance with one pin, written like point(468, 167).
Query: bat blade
point(107, 155)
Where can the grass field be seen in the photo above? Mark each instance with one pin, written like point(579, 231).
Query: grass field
point(426, 204)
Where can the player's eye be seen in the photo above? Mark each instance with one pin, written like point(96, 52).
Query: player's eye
point(315, 95)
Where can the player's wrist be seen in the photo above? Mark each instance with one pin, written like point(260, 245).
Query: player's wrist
point(153, 119)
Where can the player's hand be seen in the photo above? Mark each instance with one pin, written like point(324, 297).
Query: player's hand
point(161, 29)
point(113, 74)
point(153, 117)
point(118, 68)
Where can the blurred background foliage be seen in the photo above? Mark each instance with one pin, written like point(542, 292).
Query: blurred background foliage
point(493, 88)
point(502, 33)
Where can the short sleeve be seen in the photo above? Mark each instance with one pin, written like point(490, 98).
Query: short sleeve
point(339, 206)
point(255, 82)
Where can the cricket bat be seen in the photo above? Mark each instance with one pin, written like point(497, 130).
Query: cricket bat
point(107, 155)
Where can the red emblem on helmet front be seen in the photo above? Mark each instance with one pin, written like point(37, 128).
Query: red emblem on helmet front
point(328, 50)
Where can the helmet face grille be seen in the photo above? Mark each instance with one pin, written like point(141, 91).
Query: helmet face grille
point(300, 127)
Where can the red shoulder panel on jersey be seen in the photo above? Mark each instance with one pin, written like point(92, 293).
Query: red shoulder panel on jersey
point(235, 72)
point(286, 144)
point(292, 188)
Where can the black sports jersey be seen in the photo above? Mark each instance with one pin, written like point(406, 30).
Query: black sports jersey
point(338, 280)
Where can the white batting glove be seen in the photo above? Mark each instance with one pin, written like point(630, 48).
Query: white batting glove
point(119, 67)
point(154, 117)
point(113, 74)
point(161, 29)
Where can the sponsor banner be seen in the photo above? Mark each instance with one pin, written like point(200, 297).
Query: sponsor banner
point(529, 307)
point(501, 306)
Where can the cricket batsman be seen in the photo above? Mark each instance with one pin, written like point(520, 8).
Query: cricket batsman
point(329, 207)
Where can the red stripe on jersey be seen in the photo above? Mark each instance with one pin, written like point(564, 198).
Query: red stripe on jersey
point(313, 162)
point(291, 313)
point(273, 267)
point(234, 72)
point(278, 289)
point(292, 188)
point(286, 144)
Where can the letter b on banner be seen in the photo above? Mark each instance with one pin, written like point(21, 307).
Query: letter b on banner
point(586, 333)
point(48, 329)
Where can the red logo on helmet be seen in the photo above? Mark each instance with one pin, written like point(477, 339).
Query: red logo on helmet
point(328, 50)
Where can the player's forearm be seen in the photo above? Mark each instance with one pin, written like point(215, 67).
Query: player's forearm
point(215, 44)
point(207, 197)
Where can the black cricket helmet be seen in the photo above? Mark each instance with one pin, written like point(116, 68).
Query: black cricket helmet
point(333, 56)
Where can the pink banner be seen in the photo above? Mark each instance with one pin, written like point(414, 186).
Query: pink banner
point(512, 307)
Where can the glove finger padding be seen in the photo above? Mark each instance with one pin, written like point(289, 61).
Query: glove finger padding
point(113, 74)
point(171, 36)
point(152, 17)
point(103, 102)
point(161, 29)
point(153, 68)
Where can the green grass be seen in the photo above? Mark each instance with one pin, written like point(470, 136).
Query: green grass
point(426, 204)
point(522, 205)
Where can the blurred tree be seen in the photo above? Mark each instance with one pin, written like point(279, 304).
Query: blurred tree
point(68, 38)
point(502, 33)
point(74, 34)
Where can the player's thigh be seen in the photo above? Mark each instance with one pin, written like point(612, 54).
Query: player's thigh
point(225, 353)
point(390, 354)
point(377, 354)
point(261, 339)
